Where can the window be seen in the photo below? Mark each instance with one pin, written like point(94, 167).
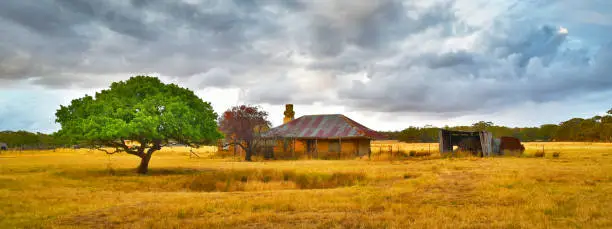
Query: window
point(334, 146)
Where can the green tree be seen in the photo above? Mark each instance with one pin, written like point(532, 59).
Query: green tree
point(546, 132)
point(606, 119)
point(606, 132)
point(482, 126)
point(570, 130)
point(19, 139)
point(141, 109)
point(610, 112)
point(410, 134)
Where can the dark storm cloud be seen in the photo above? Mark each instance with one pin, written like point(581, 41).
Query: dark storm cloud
point(450, 59)
point(532, 67)
point(116, 18)
point(444, 56)
point(69, 38)
point(543, 42)
point(372, 26)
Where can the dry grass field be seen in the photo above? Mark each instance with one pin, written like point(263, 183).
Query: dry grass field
point(88, 189)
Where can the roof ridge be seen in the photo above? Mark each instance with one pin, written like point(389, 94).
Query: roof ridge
point(324, 125)
point(355, 124)
point(322, 115)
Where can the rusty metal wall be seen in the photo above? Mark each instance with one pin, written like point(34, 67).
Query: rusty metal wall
point(486, 140)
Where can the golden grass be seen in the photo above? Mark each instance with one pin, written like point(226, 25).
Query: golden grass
point(88, 189)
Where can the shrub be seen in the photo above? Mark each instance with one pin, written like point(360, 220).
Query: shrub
point(556, 154)
point(413, 153)
point(539, 154)
point(422, 154)
point(402, 153)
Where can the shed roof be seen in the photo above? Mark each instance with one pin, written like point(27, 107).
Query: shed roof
point(323, 126)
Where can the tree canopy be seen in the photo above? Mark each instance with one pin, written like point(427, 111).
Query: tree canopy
point(242, 126)
point(141, 109)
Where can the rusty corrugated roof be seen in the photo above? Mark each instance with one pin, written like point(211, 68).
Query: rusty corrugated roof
point(323, 126)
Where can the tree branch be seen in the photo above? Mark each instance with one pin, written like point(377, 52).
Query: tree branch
point(121, 147)
point(156, 145)
point(236, 144)
point(117, 150)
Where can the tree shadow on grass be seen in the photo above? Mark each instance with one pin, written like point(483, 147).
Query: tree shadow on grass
point(210, 180)
point(81, 173)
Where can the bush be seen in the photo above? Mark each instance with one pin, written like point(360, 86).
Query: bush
point(539, 154)
point(556, 154)
point(422, 154)
point(402, 153)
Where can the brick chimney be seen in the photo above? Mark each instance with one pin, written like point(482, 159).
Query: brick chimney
point(289, 114)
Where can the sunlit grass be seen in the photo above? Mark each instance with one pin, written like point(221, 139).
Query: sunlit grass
point(83, 189)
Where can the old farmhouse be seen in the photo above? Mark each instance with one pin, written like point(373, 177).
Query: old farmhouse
point(320, 136)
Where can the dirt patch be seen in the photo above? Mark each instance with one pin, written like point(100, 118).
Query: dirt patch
point(454, 185)
point(452, 188)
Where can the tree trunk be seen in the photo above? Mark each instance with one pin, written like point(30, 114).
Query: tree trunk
point(247, 156)
point(248, 153)
point(143, 168)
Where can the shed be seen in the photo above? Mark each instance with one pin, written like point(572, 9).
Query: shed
point(478, 142)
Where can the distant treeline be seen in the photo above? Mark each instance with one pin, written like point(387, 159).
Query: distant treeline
point(595, 129)
point(27, 140)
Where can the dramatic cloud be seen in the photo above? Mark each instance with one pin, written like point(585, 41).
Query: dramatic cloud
point(444, 59)
point(529, 67)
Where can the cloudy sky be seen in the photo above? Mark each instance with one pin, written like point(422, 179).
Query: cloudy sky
point(388, 64)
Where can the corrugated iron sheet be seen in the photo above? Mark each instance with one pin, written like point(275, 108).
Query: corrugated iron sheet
point(486, 141)
point(323, 126)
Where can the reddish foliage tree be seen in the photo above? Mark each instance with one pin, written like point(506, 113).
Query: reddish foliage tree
point(242, 126)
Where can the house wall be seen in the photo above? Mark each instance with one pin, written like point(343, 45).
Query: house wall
point(283, 149)
point(349, 148)
point(363, 147)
